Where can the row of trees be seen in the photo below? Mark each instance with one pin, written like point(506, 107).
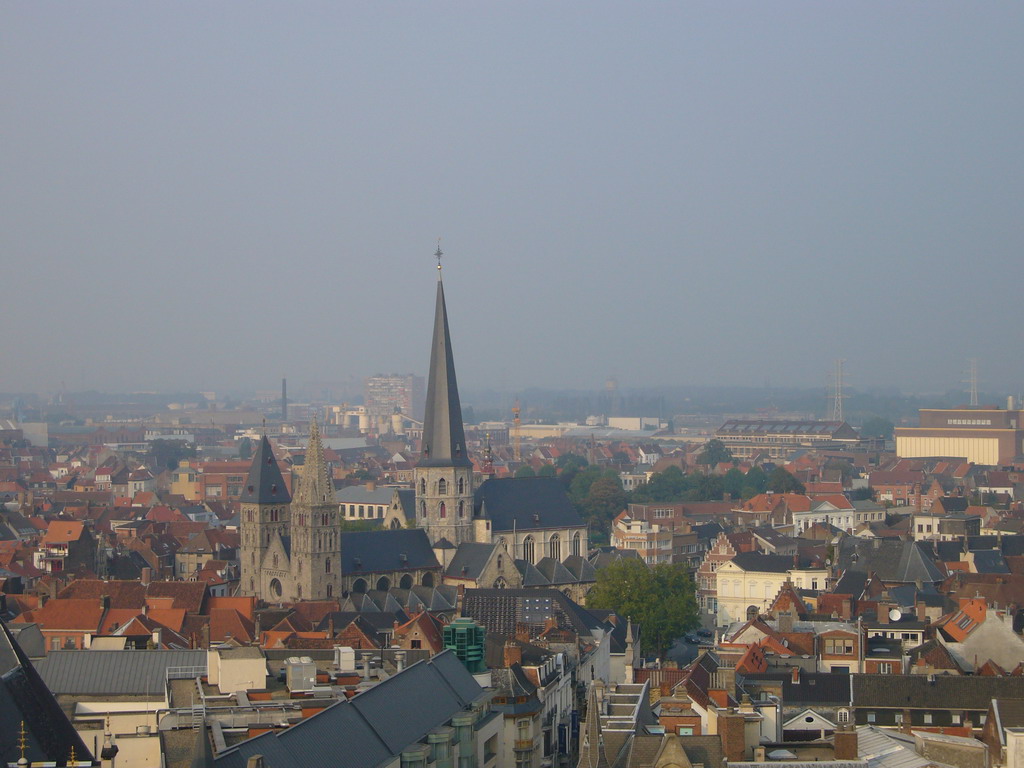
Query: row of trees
point(598, 494)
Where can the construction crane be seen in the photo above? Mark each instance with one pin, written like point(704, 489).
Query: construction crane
point(517, 442)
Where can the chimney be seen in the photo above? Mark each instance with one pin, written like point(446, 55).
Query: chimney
point(883, 613)
point(845, 743)
point(147, 576)
point(206, 635)
point(513, 654)
point(366, 666)
point(256, 761)
point(371, 485)
point(785, 619)
point(399, 660)
point(105, 602)
point(795, 675)
point(731, 727)
point(922, 614)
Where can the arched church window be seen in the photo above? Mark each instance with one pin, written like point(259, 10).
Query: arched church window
point(577, 544)
point(423, 486)
point(442, 487)
point(462, 508)
point(442, 510)
point(528, 549)
point(330, 590)
point(555, 547)
point(462, 485)
point(327, 565)
point(423, 508)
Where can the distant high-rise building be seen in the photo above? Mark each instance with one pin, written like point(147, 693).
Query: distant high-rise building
point(383, 394)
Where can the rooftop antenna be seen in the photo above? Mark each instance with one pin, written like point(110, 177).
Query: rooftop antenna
point(837, 395)
point(972, 380)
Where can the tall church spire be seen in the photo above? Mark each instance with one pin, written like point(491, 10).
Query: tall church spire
point(316, 487)
point(265, 485)
point(444, 440)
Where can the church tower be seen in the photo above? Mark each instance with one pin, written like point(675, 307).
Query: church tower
point(444, 474)
point(264, 512)
point(315, 528)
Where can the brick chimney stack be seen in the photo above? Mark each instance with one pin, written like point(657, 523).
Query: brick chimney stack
point(731, 727)
point(845, 743)
point(513, 654)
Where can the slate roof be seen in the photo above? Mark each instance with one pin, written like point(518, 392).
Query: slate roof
point(525, 503)
point(381, 551)
point(500, 610)
point(265, 485)
point(942, 692)
point(142, 672)
point(25, 698)
point(757, 561)
point(890, 559)
point(469, 560)
point(377, 724)
point(813, 687)
point(990, 561)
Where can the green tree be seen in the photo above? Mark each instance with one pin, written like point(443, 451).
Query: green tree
point(782, 481)
point(569, 465)
point(663, 486)
point(547, 470)
point(715, 452)
point(876, 426)
point(170, 453)
point(580, 485)
point(733, 482)
point(525, 471)
point(604, 500)
point(661, 599)
point(755, 479)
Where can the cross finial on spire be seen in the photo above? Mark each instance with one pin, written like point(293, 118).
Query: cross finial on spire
point(438, 254)
point(22, 741)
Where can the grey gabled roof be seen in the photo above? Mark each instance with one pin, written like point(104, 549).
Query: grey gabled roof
point(469, 560)
point(444, 440)
point(554, 571)
point(502, 610)
point(890, 559)
point(525, 503)
point(364, 552)
point(114, 673)
point(376, 725)
point(762, 563)
point(265, 485)
point(531, 576)
point(933, 691)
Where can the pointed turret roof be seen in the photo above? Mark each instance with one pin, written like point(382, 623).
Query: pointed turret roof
point(316, 487)
point(265, 485)
point(444, 440)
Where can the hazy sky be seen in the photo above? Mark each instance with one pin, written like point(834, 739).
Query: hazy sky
point(211, 195)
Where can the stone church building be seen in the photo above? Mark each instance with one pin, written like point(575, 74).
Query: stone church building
point(510, 532)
